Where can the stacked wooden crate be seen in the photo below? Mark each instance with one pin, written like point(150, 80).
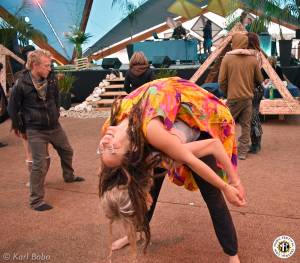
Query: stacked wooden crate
point(112, 91)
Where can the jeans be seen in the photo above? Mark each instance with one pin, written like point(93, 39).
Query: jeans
point(38, 141)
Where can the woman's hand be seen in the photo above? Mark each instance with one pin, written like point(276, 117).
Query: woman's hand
point(233, 195)
point(241, 190)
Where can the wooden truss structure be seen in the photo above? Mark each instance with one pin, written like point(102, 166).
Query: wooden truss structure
point(8, 73)
point(288, 105)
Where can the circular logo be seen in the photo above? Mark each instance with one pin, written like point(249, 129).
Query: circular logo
point(284, 246)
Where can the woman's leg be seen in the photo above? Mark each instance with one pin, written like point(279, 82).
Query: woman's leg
point(256, 128)
point(220, 215)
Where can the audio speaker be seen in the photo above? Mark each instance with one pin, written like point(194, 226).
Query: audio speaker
point(161, 62)
point(108, 63)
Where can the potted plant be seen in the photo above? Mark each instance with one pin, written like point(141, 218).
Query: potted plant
point(77, 37)
point(65, 84)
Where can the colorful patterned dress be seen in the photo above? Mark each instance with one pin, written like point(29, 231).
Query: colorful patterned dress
point(176, 98)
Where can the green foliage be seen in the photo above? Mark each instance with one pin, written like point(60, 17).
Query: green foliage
point(65, 82)
point(284, 11)
point(17, 26)
point(165, 73)
point(77, 37)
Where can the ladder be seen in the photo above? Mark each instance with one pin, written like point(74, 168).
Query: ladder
point(8, 76)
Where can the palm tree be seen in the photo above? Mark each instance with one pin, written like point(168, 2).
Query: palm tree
point(283, 11)
point(16, 26)
point(77, 37)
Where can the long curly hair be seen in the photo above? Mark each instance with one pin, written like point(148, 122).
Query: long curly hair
point(253, 41)
point(133, 177)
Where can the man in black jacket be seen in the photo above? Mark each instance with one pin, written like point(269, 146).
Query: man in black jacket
point(34, 110)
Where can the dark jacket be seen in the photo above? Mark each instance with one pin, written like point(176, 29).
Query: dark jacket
point(133, 82)
point(179, 32)
point(207, 31)
point(28, 111)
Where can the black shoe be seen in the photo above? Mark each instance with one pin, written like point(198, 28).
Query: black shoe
point(43, 207)
point(2, 144)
point(254, 149)
point(75, 179)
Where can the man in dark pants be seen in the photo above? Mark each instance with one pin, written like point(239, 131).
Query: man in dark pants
point(34, 110)
point(238, 75)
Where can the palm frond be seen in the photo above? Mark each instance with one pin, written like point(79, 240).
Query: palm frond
point(16, 25)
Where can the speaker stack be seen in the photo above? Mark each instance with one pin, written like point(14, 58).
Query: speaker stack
point(161, 62)
point(111, 63)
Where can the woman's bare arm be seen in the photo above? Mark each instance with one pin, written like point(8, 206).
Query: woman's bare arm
point(161, 139)
point(214, 147)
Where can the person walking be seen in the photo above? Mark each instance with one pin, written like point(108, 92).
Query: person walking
point(239, 73)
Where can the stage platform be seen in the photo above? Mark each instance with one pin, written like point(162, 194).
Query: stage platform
point(87, 80)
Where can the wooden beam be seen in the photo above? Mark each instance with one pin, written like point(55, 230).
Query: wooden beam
point(147, 34)
point(5, 52)
point(39, 42)
point(216, 53)
point(85, 18)
point(86, 14)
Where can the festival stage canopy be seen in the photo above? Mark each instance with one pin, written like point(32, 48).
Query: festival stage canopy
point(107, 25)
point(154, 12)
point(53, 18)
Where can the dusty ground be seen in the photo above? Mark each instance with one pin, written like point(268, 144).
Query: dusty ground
point(76, 231)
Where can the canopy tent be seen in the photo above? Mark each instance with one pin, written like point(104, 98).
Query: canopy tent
point(148, 15)
point(53, 18)
point(145, 19)
point(61, 14)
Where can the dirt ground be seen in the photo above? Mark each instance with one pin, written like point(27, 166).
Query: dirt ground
point(76, 231)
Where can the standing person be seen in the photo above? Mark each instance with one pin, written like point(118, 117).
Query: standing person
point(256, 128)
point(207, 35)
point(34, 110)
point(249, 24)
point(139, 72)
point(3, 105)
point(179, 31)
point(244, 19)
point(159, 127)
point(28, 158)
point(238, 75)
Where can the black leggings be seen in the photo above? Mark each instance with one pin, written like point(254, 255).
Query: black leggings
point(216, 204)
